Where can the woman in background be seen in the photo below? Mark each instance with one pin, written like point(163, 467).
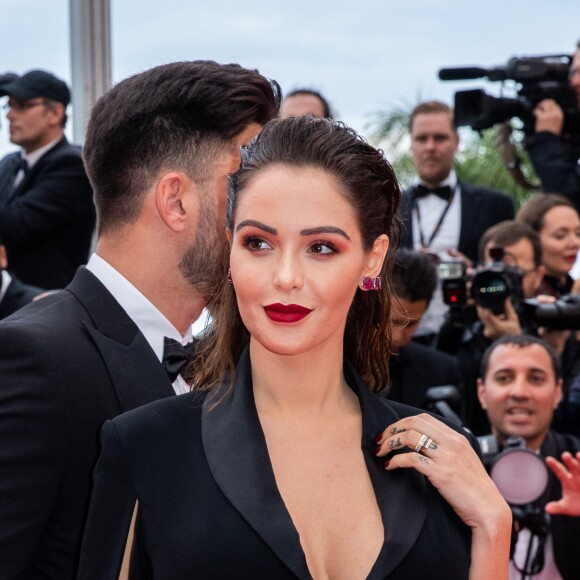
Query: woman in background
point(287, 464)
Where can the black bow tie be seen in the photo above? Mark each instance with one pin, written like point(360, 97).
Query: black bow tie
point(21, 163)
point(442, 192)
point(175, 356)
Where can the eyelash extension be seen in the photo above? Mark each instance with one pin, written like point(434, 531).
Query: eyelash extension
point(249, 240)
point(326, 243)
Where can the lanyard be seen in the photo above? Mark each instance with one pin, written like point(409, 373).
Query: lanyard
point(439, 222)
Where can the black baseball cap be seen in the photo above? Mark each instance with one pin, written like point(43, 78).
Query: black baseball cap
point(38, 83)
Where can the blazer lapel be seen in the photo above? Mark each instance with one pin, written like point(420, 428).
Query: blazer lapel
point(405, 215)
point(136, 374)
point(236, 451)
point(470, 202)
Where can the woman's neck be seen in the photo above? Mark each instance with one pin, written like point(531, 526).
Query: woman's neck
point(307, 383)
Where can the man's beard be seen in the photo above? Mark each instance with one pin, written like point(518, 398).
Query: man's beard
point(204, 264)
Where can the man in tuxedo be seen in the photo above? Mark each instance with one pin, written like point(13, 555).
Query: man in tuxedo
point(415, 367)
point(441, 214)
point(305, 102)
point(47, 215)
point(14, 294)
point(158, 150)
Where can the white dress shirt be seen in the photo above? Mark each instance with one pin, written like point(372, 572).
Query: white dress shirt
point(33, 158)
point(431, 208)
point(149, 320)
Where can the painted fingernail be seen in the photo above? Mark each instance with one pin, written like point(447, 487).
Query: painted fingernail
point(387, 463)
point(378, 438)
point(378, 450)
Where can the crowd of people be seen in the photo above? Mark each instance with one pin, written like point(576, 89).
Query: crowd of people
point(327, 420)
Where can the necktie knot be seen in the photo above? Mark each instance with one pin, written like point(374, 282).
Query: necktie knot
point(175, 356)
point(443, 192)
point(21, 164)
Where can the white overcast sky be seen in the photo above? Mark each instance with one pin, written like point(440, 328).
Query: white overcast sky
point(364, 55)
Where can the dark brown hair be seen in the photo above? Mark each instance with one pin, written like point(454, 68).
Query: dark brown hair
point(535, 209)
point(508, 233)
point(368, 182)
point(177, 116)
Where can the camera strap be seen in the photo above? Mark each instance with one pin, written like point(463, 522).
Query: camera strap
point(427, 243)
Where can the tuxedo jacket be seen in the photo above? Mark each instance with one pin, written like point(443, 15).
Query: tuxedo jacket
point(68, 362)
point(209, 506)
point(417, 368)
point(481, 208)
point(17, 295)
point(47, 221)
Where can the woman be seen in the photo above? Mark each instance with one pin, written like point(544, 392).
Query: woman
point(288, 465)
point(557, 222)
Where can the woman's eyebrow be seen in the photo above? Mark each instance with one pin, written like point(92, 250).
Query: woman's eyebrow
point(256, 224)
point(324, 230)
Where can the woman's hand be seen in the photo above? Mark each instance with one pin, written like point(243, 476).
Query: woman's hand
point(447, 459)
point(568, 472)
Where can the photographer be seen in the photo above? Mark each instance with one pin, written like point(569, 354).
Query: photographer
point(519, 388)
point(522, 252)
point(554, 158)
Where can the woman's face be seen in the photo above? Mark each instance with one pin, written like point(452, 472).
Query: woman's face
point(297, 258)
point(560, 239)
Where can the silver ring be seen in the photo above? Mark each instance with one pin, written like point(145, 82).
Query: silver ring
point(422, 442)
point(426, 446)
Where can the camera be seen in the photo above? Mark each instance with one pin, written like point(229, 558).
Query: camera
point(537, 78)
point(493, 284)
point(453, 277)
point(562, 314)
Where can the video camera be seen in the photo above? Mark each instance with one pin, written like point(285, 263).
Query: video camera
point(537, 78)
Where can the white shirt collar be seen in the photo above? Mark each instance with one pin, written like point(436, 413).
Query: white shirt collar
point(5, 280)
point(150, 321)
point(33, 157)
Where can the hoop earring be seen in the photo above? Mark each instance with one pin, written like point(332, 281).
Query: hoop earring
point(368, 283)
point(230, 276)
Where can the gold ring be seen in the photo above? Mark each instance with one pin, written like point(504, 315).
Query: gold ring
point(426, 446)
point(422, 441)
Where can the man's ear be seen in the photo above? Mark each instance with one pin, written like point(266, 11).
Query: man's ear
point(3, 258)
point(481, 394)
point(377, 256)
point(558, 395)
point(176, 200)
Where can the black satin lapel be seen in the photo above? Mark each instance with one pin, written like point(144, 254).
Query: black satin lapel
point(470, 202)
point(405, 215)
point(135, 371)
point(401, 494)
point(237, 455)
point(137, 375)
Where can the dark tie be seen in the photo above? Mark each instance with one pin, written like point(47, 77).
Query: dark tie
point(20, 165)
point(442, 192)
point(175, 356)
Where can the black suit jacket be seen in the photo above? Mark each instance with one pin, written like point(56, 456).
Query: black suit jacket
point(209, 506)
point(68, 362)
point(17, 295)
point(417, 368)
point(47, 222)
point(481, 208)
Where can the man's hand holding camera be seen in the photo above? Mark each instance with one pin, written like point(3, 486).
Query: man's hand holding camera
point(498, 325)
point(549, 117)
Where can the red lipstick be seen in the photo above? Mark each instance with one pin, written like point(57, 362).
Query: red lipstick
point(286, 312)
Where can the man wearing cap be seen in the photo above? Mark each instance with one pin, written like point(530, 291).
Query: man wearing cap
point(47, 214)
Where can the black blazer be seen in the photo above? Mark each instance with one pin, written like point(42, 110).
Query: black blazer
point(418, 367)
point(68, 362)
point(47, 222)
point(209, 506)
point(481, 208)
point(17, 295)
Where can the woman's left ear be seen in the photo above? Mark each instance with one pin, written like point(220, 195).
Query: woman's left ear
point(377, 256)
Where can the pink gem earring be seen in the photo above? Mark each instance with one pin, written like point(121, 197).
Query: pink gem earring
point(368, 283)
point(230, 276)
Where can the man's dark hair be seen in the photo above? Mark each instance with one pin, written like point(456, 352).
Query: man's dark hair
point(179, 116)
point(428, 108)
point(327, 111)
point(414, 275)
point(508, 233)
point(520, 341)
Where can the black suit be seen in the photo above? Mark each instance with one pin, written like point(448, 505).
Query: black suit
point(47, 221)
point(481, 208)
point(17, 295)
point(417, 368)
point(68, 362)
point(210, 508)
